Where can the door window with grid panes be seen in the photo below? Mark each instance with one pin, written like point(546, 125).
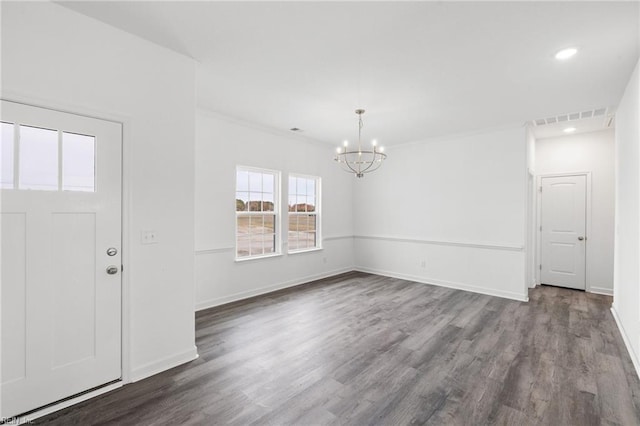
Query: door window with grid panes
point(304, 213)
point(256, 212)
point(38, 158)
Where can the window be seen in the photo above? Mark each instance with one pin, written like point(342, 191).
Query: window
point(257, 221)
point(48, 160)
point(304, 223)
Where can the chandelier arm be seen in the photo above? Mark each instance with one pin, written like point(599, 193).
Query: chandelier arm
point(346, 162)
point(366, 169)
point(378, 164)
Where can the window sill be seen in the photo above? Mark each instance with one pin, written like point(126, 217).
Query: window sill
point(305, 250)
point(264, 256)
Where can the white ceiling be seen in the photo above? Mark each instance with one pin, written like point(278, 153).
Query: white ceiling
point(420, 69)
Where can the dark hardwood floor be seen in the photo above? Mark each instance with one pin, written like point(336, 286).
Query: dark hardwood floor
point(362, 349)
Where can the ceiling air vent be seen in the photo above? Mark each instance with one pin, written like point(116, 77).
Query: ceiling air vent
point(592, 113)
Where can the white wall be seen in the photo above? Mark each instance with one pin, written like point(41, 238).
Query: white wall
point(530, 253)
point(54, 57)
point(589, 152)
point(221, 145)
point(456, 204)
point(626, 287)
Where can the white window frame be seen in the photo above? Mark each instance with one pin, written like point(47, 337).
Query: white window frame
point(276, 212)
point(317, 213)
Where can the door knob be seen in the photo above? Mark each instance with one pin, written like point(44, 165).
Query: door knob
point(580, 238)
point(112, 269)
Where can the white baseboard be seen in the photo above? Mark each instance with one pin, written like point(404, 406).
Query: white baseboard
point(634, 358)
point(210, 303)
point(601, 290)
point(163, 364)
point(448, 284)
point(28, 419)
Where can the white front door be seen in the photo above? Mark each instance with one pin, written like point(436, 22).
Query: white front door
point(60, 232)
point(563, 221)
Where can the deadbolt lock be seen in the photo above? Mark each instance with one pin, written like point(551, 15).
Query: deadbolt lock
point(112, 251)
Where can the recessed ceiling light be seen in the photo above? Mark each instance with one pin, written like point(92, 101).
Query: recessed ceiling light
point(566, 53)
point(570, 130)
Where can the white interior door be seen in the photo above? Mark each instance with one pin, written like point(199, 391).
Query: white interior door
point(563, 239)
point(61, 230)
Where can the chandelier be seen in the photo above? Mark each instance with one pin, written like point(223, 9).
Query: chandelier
point(360, 161)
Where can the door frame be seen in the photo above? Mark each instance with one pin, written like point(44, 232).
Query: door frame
point(538, 223)
point(126, 243)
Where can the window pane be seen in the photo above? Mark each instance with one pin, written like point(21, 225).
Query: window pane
point(292, 203)
point(311, 187)
point(311, 204)
point(292, 185)
point(255, 182)
point(256, 225)
point(242, 180)
point(267, 202)
point(293, 243)
point(269, 224)
point(38, 158)
point(257, 246)
point(268, 183)
point(243, 225)
point(293, 224)
point(302, 186)
point(7, 155)
point(255, 201)
point(307, 223)
point(294, 232)
point(242, 199)
point(243, 247)
point(78, 162)
point(309, 239)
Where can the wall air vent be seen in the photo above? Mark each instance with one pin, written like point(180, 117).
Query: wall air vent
point(605, 113)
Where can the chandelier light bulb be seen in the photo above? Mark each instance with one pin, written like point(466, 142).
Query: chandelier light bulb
point(345, 143)
point(338, 150)
point(374, 142)
point(381, 149)
point(565, 54)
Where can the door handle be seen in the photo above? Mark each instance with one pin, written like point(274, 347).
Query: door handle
point(112, 269)
point(580, 238)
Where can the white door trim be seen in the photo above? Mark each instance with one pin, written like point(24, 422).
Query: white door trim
point(538, 233)
point(125, 121)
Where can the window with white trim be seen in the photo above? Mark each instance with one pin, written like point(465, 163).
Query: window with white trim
point(257, 216)
point(304, 213)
